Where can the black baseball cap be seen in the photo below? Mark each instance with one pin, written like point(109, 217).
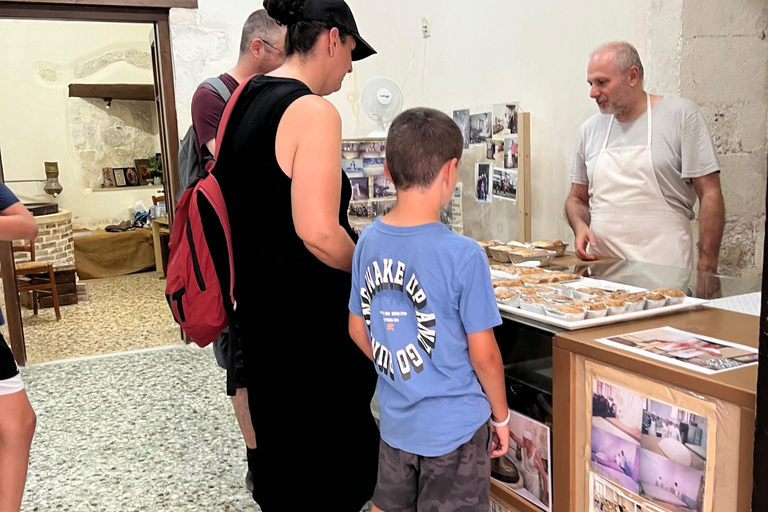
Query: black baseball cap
point(337, 12)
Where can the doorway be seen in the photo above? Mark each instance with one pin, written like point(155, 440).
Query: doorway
point(111, 11)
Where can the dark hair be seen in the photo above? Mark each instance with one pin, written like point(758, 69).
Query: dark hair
point(259, 24)
point(301, 35)
point(419, 143)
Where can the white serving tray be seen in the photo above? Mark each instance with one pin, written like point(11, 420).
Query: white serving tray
point(688, 303)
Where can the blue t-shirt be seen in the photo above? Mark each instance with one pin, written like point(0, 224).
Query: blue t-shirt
point(7, 198)
point(420, 290)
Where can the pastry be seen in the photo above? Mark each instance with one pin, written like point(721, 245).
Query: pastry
point(503, 281)
point(504, 293)
point(547, 243)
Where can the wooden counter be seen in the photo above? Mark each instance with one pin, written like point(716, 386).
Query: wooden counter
point(735, 388)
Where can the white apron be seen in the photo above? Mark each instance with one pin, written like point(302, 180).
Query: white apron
point(630, 217)
point(531, 474)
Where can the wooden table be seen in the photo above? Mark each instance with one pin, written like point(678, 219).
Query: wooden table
point(735, 389)
point(159, 226)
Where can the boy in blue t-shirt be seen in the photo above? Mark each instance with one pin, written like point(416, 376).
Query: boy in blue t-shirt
point(422, 308)
point(17, 419)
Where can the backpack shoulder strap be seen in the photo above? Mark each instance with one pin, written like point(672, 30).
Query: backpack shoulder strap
point(227, 114)
point(218, 85)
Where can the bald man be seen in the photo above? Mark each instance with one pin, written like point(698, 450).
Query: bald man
point(640, 166)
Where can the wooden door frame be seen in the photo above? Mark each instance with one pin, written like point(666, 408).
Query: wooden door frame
point(155, 12)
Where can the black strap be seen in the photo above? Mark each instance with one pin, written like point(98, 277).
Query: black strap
point(217, 84)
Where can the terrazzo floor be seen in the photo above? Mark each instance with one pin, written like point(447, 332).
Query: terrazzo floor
point(121, 314)
point(143, 431)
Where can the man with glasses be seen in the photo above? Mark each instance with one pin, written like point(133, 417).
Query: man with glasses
point(260, 52)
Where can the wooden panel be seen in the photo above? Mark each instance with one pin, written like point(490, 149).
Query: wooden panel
point(734, 386)
point(169, 129)
point(11, 292)
point(563, 429)
point(746, 459)
point(524, 188)
point(135, 92)
point(157, 4)
point(76, 12)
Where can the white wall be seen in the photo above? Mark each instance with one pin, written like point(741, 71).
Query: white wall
point(38, 61)
point(487, 52)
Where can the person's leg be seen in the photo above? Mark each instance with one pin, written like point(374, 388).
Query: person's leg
point(458, 481)
point(243, 415)
point(17, 428)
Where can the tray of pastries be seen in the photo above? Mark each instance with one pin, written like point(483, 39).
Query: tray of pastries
point(556, 246)
point(578, 303)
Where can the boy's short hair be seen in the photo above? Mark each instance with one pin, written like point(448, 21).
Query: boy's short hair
point(419, 143)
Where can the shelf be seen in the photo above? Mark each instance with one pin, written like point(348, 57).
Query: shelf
point(127, 189)
point(135, 92)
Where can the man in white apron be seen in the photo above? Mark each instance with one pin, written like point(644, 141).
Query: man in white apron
point(639, 168)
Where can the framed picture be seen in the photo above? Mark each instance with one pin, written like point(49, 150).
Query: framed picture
point(382, 187)
point(142, 167)
point(353, 167)
point(119, 173)
point(360, 189)
point(108, 177)
point(131, 177)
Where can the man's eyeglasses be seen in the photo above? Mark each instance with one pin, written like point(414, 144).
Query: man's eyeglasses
point(273, 47)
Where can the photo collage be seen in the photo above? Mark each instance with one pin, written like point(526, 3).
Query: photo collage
point(691, 351)
point(649, 448)
point(497, 131)
point(373, 195)
point(605, 497)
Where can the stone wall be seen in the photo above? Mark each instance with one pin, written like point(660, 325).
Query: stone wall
point(112, 137)
point(724, 68)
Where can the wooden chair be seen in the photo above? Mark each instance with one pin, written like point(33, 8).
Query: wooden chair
point(158, 199)
point(30, 268)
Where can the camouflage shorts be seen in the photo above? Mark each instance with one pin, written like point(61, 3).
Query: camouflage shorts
point(455, 482)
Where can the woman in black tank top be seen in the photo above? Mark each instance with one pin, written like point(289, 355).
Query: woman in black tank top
point(279, 167)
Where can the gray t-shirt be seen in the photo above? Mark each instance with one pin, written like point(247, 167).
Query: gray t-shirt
point(681, 148)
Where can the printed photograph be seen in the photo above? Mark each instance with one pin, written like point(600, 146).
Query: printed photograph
point(108, 177)
point(505, 118)
point(131, 177)
point(674, 486)
point(526, 468)
point(479, 128)
point(375, 149)
point(349, 151)
point(461, 118)
point(446, 215)
point(360, 190)
point(510, 152)
point(607, 498)
point(142, 167)
point(382, 187)
point(616, 459)
point(617, 411)
point(362, 210)
point(692, 351)
point(119, 176)
point(353, 167)
point(494, 150)
point(482, 181)
point(383, 207)
point(373, 166)
point(505, 183)
point(675, 433)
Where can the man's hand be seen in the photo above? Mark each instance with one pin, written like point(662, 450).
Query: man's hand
point(585, 236)
point(500, 444)
point(577, 212)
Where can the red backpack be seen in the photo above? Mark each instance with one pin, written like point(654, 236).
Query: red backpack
point(192, 289)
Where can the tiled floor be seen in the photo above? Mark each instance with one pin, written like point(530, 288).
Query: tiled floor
point(121, 314)
point(135, 432)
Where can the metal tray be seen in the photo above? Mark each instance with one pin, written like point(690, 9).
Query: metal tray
point(687, 304)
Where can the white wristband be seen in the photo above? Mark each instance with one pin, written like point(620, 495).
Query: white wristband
point(503, 423)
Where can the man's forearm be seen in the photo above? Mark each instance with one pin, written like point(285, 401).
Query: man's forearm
point(577, 213)
point(711, 224)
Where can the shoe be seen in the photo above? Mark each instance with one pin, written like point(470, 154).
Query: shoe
point(249, 481)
